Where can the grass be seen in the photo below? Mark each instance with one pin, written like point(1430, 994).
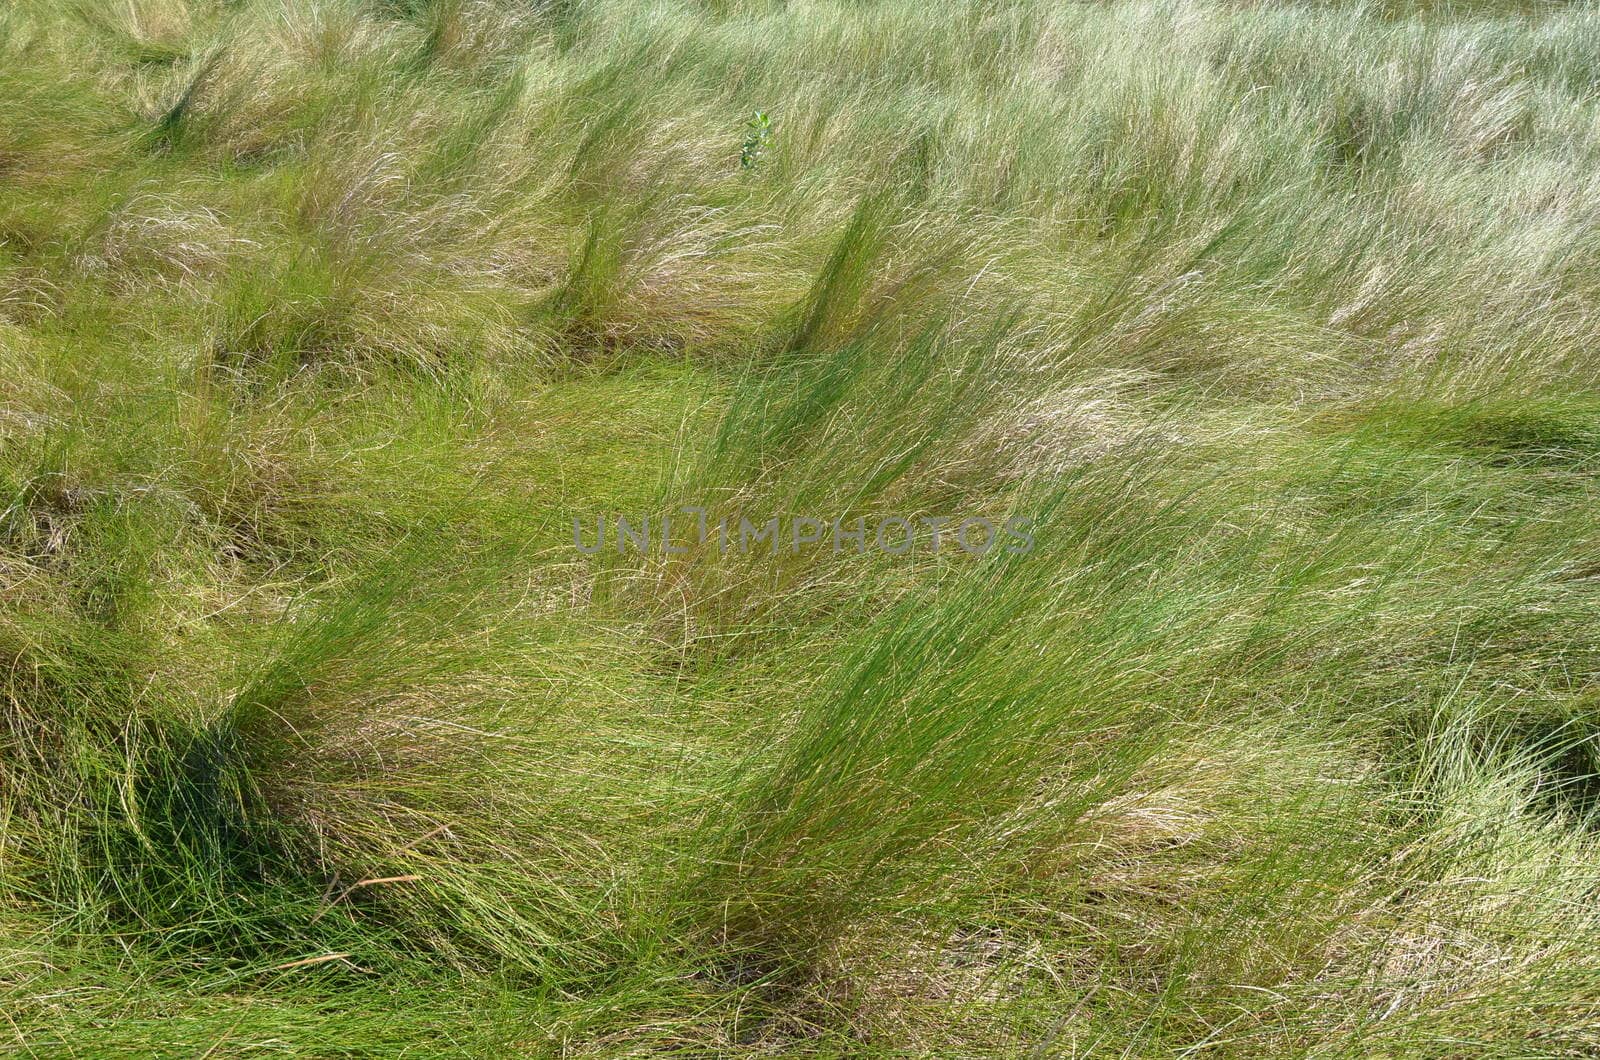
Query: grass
point(321, 321)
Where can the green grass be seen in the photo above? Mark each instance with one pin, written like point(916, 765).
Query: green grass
point(322, 320)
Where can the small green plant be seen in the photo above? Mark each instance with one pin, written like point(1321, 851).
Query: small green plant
point(758, 137)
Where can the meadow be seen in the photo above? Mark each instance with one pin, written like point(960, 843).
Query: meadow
point(323, 321)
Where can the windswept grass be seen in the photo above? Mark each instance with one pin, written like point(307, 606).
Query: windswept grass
point(322, 321)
